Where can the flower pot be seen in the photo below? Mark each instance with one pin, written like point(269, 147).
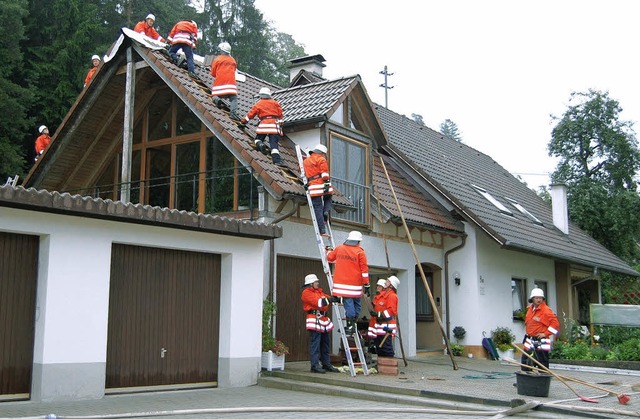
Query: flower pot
point(508, 354)
point(270, 361)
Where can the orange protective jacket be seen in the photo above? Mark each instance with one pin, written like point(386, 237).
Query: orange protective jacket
point(317, 171)
point(270, 113)
point(351, 270)
point(223, 71)
point(312, 303)
point(385, 304)
point(90, 74)
point(540, 320)
point(42, 142)
point(184, 32)
point(143, 28)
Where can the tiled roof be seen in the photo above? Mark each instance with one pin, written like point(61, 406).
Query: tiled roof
point(301, 104)
point(452, 167)
point(106, 209)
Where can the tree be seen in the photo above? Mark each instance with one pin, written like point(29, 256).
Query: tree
point(599, 157)
point(417, 118)
point(450, 129)
point(14, 97)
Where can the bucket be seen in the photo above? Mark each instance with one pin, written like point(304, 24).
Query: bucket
point(536, 385)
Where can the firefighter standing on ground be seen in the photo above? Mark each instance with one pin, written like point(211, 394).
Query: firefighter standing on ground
point(223, 71)
point(316, 170)
point(350, 276)
point(95, 62)
point(269, 111)
point(371, 332)
point(316, 304)
point(42, 141)
point(184, 35)
point(385, 312)
point(145, 27)
point(540, 324)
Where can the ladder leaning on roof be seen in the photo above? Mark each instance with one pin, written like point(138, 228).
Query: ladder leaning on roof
point(338, 309)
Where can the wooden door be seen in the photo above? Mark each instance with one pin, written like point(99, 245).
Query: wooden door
point(18, 279)
point(290, 318)
point(163, 317)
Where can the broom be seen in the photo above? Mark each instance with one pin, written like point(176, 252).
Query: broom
point(622, 398)
point(548, 371)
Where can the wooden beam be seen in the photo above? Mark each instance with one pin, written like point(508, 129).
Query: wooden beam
point(127, 135)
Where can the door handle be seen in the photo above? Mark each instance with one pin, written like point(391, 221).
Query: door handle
point(162, 352)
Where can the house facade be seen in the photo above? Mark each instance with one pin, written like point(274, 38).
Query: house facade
point(145, 133)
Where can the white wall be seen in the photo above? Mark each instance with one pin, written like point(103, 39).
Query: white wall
point(73, 291)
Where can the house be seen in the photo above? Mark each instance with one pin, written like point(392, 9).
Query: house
point(145, 133)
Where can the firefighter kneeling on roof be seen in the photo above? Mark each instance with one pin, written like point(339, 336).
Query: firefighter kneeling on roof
point(316, 304)
point(383, 325)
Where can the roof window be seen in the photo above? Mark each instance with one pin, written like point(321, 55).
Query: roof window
point(491, 199)
point(524, 211)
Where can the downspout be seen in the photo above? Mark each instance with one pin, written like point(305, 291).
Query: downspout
point(446, 282)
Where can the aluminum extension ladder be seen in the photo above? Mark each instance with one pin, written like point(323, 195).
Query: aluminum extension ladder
point(338, 309)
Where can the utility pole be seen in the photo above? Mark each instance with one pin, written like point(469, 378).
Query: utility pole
point(386, 86)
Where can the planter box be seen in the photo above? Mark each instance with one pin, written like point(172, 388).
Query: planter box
point(271, 361)
point(508, 354)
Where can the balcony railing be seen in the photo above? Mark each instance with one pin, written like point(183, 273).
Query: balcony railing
point(357, 194)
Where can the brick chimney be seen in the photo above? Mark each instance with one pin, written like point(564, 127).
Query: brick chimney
point(559, 207)
point(311, 63)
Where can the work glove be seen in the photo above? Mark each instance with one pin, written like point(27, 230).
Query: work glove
point(306, 186)
point(336, 299)
point(386, 329)
point(324, 302)
point(367, 290)
point(327, 185)
point(373, 313)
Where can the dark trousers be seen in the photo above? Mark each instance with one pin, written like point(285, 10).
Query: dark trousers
point(319, 348)
point(274, 139)
point(541, 356)
point(188, 53)
point(387, 346)
point(321, 206)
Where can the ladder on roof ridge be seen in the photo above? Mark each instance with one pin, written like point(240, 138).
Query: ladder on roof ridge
point(338, 309)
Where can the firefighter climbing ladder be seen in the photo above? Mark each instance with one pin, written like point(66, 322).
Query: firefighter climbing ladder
point(338, 309)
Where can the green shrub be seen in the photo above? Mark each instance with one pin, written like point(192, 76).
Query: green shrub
point(626, 351)
point(502, 338)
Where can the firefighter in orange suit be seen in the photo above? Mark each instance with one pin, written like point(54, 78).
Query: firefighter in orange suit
point(223, 71)
point(42, 141)
point(145, 27)
point(184, 35)
point(95, 62)
point(385, 311)
point(540, 324)
point(350, 276)
point(380, 286)
point(269, 111)
point(319, 186)
point(316, 304)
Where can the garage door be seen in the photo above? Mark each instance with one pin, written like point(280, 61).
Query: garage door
point(163, 317)
point(18, 278)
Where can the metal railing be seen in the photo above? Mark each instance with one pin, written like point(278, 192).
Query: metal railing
point(357, 194)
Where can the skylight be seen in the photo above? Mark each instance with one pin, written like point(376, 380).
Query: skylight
point(524, 211)
point(491, 199)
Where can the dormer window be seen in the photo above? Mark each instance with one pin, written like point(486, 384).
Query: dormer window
point(524, 211)
point(491, 199)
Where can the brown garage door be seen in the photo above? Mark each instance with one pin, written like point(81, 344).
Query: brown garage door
point(18, 278)
point(290, 323)
point(163, 317)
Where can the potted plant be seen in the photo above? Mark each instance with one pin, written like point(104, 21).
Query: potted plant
point(456, 348)
point(519, 315)
point(273, 350)
point(503, 337)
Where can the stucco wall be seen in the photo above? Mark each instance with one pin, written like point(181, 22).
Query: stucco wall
point(73, 290)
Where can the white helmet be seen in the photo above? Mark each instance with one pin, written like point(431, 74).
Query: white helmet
point(382, 282)
point(265, 92)
point(95, 57)
point(42, 128)
point(536, 292)
point(319, 149)
point(225, 47)
point(310, 279)
point(150, 16)
point(395, 282)
point(354, 236)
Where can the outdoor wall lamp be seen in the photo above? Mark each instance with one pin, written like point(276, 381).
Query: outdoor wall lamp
point(456, 278)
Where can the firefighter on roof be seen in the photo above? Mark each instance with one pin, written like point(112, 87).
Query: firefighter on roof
point(95, 62)
point(223, 71)
point(42, 141)
point(145, 27)
point(184, 36)
point(269, 111)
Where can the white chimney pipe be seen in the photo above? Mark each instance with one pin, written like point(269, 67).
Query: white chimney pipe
point(559, 207)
